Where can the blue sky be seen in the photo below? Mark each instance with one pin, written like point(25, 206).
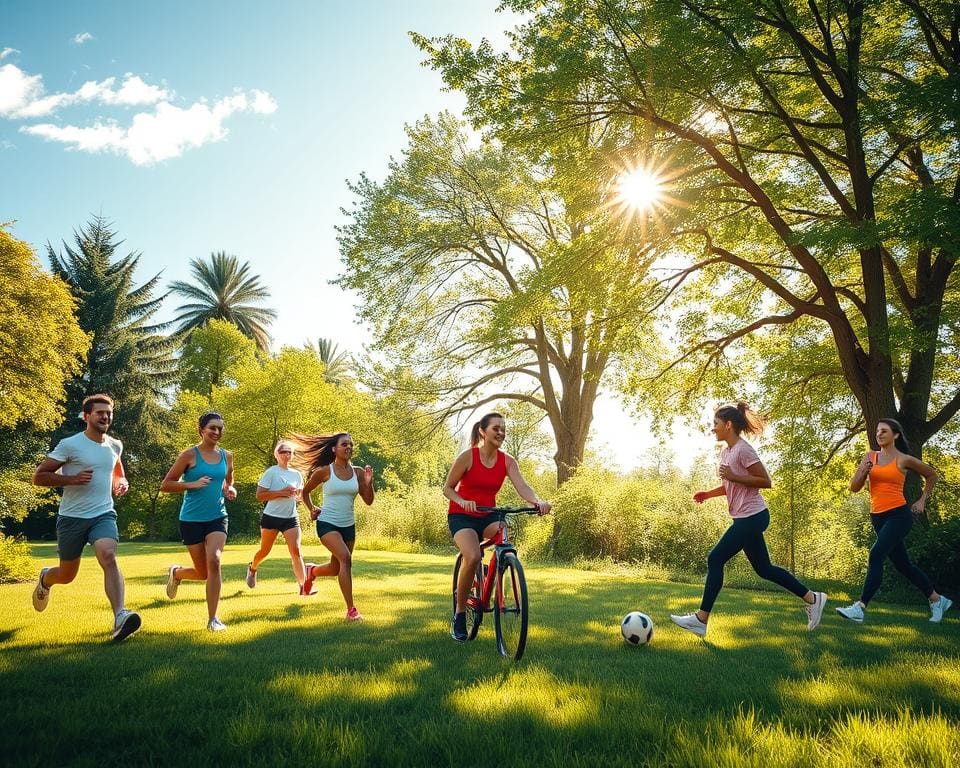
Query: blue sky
point(204, 126)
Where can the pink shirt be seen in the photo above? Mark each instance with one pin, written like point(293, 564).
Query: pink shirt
point(742, 500)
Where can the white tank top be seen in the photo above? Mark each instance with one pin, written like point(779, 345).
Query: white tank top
point(338, 498)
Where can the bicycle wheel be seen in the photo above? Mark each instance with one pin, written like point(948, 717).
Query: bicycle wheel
point(474, 604)
point(510, 610)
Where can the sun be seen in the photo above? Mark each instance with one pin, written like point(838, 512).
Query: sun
point(638, 189)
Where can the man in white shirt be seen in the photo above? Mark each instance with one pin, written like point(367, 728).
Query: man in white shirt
point(87, 466)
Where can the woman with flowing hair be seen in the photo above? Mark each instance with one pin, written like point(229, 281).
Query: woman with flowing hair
point(475, 479)
point(327, 461)
point(204, 474)
point(886, 470)
point(280, 488)
point(742, 476)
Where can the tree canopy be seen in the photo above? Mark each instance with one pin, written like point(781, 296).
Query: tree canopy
point(813, 149)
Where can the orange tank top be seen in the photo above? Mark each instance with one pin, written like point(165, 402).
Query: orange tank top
point(886, 486)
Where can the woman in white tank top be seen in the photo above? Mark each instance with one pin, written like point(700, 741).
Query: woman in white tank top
point(327, 460)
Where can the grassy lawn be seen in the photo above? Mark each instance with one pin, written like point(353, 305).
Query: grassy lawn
point(291, 681)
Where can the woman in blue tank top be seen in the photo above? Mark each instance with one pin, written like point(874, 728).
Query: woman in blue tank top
point(327, 461)
point(204, 474)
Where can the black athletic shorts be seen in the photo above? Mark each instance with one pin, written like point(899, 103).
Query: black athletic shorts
point(281, 524)
point(195, 533)
point(349, 532)
point(458, 521)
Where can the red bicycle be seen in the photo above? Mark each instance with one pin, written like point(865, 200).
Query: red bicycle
point(499, 588)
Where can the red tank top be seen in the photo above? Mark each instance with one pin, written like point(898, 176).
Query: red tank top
point(480, 484)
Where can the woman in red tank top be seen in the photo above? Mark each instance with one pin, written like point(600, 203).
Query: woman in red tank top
point(891, 517)
point(474, 480)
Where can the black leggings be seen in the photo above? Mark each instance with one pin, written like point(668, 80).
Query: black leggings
point(892, 528)
point(745, 534)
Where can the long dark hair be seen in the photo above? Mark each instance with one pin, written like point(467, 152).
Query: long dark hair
point(482, 424)
point(899, 442)
point(743, 418)
point(313, 451)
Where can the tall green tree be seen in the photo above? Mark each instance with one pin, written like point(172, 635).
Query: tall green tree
point(224, 289)
point(496, 279)
point(130, 358)
point(819, 152)
point(211, 355)
point(41, 347)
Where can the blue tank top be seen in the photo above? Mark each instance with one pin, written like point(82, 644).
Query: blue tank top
point(201, 505)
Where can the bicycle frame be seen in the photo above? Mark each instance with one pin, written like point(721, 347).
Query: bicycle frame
point(501, 545)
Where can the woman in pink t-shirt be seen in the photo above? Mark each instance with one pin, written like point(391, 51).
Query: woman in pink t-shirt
point(743, 475)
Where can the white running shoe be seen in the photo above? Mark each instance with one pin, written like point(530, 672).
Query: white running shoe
point(691, 623)
point(126, 623)
point(215, 625)
point(173, 583)
point(853, 612)
point(251, 576)
point(41, 594)
point(815, 611)
point(937, 609)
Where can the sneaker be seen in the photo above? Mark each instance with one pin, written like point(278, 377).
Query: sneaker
point(690, 622)
point(937, 609)
point(853, 612)
point(458, 627)
point(127, 622)
point(251, 576)
point(215, 625)
point(353, 614)
point(307, 587)
point(173, 582)
point(41, 594)
point(815, 611)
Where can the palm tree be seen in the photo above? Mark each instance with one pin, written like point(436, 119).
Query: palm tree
point(224, 291)
point(335, 362)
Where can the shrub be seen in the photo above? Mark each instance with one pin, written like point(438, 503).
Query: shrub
point(15, 561)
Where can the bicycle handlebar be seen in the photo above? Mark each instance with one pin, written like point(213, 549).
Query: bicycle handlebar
point(510, 510)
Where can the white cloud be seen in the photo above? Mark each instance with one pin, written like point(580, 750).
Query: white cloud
point(82, 37)
point(4, 144)
point(7, 52)
point(165, 133)
point(22, 95)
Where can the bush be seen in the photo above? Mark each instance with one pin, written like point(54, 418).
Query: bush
point(413, 517)
point(15, 561)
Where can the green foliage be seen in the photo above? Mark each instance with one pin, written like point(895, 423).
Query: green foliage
point(338, 364)
point(41, 344)
point(129, 358)
point(211, 353)
point(224, 290)
point(16, 563)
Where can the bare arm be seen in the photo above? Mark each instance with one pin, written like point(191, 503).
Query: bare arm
point(862, 473)
point(318, 476)
point(229, 492)
point(457, 471)
point(929, 475)
point(47, 476)
point(702, 496)
point(264, 494)
point(120, 484)
point(365, 481)
point(756, 477)
point(172, 483)
point(525, 491)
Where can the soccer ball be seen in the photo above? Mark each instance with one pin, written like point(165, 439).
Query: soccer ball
point(637, 628)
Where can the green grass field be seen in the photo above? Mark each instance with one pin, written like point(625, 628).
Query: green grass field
point(292, 682)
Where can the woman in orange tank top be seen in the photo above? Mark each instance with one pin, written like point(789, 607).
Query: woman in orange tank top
point(891, 517)
point(474, 480)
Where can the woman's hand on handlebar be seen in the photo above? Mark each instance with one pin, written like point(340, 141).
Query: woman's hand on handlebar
point(470, 507)
point(543, 507)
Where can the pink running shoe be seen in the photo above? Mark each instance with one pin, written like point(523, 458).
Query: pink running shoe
point(353, 614)
point(307, 587)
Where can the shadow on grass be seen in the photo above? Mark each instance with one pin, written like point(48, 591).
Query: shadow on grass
point(297, 682)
